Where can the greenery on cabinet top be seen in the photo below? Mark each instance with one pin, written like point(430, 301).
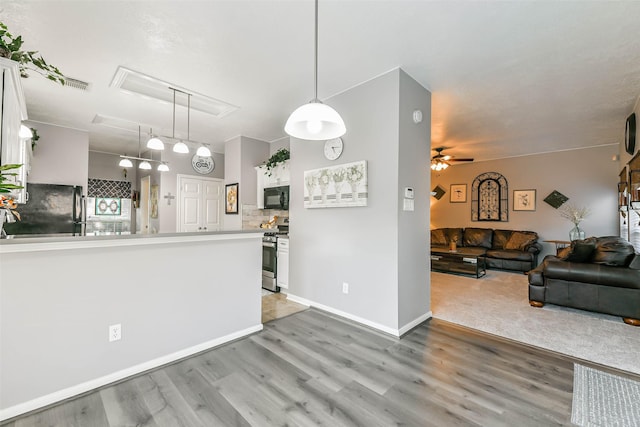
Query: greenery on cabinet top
point(28, 60)
point(278, 157)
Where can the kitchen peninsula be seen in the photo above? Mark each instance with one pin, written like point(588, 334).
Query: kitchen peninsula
point(173, 295)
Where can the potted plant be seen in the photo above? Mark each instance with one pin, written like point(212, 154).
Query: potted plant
point(278, 157)
point(8, 206)
point(28, 60)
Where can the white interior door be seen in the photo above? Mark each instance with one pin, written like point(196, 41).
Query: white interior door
point(212, 205)
point(190, 204)
point(200, 204)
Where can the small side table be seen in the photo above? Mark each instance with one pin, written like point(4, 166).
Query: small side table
point(560, 244)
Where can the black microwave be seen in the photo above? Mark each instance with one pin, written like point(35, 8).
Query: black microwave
point(276, 198)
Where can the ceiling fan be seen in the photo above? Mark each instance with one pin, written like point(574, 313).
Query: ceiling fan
point(441, 161)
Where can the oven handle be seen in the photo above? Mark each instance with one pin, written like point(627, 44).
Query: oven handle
point(268, 245)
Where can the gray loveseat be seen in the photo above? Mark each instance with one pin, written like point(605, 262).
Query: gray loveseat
point(504, 249)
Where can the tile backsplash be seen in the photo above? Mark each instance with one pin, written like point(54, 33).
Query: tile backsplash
point(252, 217)
point(109, 188)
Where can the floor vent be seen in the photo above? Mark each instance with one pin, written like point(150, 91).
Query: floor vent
point(75, 83)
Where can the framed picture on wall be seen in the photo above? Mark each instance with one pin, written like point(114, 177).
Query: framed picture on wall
point(458, 193)
point(524, 200)
point(231, 198)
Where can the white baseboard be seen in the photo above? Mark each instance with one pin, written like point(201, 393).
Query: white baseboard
point(14, 411)
point(361, 320)
point(415, 322)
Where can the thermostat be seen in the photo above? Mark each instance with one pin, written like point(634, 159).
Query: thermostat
point(408, 193)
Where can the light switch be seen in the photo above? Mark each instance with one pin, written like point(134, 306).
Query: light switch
point(408, 204)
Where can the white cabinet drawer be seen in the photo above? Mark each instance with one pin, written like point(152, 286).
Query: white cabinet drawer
point(283, 244)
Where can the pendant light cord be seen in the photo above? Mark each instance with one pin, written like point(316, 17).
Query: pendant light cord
point(188, 114)
point(174, 113)
point(315, 74)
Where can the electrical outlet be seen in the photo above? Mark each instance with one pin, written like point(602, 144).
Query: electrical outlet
point(345, 288)
point(115, 332)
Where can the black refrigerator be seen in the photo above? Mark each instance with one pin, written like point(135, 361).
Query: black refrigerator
point(50, 209)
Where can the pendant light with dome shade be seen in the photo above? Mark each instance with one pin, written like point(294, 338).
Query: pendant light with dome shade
point(203, 151)
point(315, 121)
point(125, 163)
point(145, 164)
point(25, 132)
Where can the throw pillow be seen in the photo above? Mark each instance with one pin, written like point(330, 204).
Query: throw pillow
point(480, 237)
point(582, 250)
point(520, 240)
point(438, 237)
point(564, 253)
point(500, 238)
point(613, 251)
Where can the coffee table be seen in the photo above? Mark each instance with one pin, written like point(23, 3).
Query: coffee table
point(459, 262)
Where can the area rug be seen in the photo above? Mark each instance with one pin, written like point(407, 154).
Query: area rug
point(498, 304)
point(602, 399)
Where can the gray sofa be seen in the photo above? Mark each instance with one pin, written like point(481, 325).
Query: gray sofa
point(504, 249)
point(599, 274)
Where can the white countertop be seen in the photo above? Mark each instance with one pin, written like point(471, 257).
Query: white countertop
point(28, 243)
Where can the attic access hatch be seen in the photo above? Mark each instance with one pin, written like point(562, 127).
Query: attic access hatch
point(136, 83)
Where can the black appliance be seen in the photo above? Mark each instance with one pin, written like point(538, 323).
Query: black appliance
point(276, 198)
point(51, 209)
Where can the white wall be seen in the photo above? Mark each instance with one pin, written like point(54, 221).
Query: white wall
point(55, 319)
point(60, 157)
point(362, 246)
point(588, 177)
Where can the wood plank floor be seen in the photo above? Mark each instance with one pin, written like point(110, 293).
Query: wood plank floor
point(312, 368)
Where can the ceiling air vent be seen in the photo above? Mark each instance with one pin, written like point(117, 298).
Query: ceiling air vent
point(75, 83)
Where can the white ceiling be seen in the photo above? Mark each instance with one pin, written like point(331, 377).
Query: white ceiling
point(508, 78)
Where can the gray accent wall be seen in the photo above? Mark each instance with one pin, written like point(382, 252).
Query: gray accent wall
point(362, 246)
point(587, 176)
point(179, 164)
point(278, 144)
point(168, 296)
point(414, 296)
point(242, 155)
point(61, 156)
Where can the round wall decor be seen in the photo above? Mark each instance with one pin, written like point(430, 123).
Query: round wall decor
point(630, 134)
point(202, 165)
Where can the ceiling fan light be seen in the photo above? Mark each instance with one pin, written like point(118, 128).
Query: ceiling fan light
point(155, 144)
point(25, 132)
point(203, 151)
point(162, 167)
point(315, 121)
point(145, 165)
point(125, 163)
point(180, 147)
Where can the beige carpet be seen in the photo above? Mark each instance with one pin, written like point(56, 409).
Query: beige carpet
point(498, 304)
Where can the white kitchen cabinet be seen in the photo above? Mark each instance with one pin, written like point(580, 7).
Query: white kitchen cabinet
point(14, 150)
point(282, 275)
point(280, 175)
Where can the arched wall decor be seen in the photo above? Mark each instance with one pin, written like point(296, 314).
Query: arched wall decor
point(490, 198)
